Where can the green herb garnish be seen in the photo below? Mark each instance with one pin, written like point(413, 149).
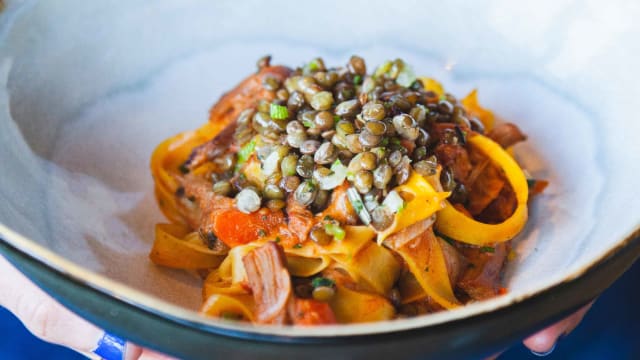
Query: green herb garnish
point(278, 112)
point(297, 246)
point(277, 239)
point(307, 123)
point(335, 230)
point(487, 249)
point(322, 281)
point(336, 118)
point(444, 237)
point(262, 233)
point(357, 80)
point(531, 183)
point(244, 153)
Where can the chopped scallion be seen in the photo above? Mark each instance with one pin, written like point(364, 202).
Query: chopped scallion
point(335, 230)
point(278, 112)
point(244, 153)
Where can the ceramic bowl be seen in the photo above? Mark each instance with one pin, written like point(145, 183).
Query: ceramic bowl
point(89, 88)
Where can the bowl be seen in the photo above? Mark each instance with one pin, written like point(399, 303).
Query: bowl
point(89, 88)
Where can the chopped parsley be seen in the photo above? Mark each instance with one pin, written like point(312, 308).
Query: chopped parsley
point(487, 249)
point(297, 246)
point(444, 237)
point(322, 281)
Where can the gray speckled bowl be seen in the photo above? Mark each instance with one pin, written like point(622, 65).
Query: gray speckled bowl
point(88, 90)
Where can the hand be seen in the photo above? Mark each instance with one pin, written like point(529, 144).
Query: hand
point(50, 321)
point(543, 342)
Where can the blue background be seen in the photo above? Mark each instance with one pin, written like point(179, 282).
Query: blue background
point(609, 331)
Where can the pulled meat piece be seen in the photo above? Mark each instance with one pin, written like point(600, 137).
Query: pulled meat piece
point(485, 182)
point(501, 207)
point(270, 283)
point(300, 219)
point(482, 279)
point(205, 202)
point(456, 263)
point(212, 148)
point(507, 135)
point(456, 158)
point(222, 220)
point(224, 113)
point(339, 207)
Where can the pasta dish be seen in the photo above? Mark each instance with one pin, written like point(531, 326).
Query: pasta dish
point(321, 195)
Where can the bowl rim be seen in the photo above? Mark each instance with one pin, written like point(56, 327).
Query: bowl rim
point(154, 305)
point(484, 333)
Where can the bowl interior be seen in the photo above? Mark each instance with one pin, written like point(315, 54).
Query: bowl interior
point(86, 100)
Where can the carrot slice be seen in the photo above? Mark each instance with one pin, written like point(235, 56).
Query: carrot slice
point(234, 227)
point(307, 312)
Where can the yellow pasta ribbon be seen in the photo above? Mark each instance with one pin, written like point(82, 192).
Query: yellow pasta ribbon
point(472, 105)
point(461, 227)
point(177, 247)
point(426, 201)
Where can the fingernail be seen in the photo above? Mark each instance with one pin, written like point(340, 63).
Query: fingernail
point(542, 354)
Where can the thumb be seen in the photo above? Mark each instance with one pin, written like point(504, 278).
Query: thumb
point(544, 341)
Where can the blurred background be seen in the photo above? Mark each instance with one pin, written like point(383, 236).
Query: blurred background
point(609, 331)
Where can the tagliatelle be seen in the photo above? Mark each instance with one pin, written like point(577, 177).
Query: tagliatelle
point(461, 227)
point(224, 305)
point(425, 259)
point(472, 105)
point(425, 202)
point(177, 247)
point(351, 306)
point(307, 201)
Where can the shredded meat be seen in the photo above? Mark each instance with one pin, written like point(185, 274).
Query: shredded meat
point(485, 183)
point(209, 203)
point(270, 283)
point(456, 158)
point(244, 96)
point(300, 219)
point(212, 148)
point(339, 206)
point(481, 280)
point(507, 135)
point(501, 207)
point(456, 263)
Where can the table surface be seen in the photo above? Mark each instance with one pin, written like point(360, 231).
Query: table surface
point(609, 331)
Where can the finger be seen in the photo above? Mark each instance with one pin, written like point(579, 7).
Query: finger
point(43, 316)
point(545, 340)
point(135, 352)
